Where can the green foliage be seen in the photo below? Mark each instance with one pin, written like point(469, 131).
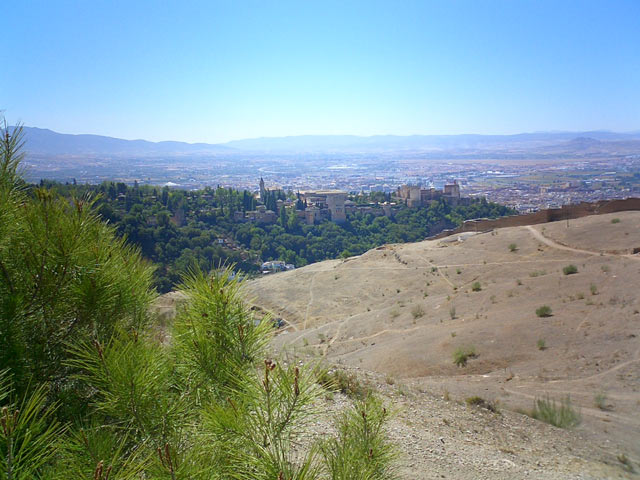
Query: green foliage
point(462, 354)
point(476, 287)
point(29, 432)
point(179, 229)
point(570, 270)
point(361, 451)
point(541, 344)
point(561, 415)
point(600, 401)
point(513, 247)
point(64, 278)
point(344, 382)
point(538, 273)
point(202, 405)
point(593, 289)
point(216, 335)
point(544, 311)
point(615, 220)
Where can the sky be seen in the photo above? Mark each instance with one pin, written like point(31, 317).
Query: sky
point(209, 71)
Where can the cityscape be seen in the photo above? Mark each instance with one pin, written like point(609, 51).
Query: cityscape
point(526, 181)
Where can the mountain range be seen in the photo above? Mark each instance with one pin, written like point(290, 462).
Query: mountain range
point(47, 142)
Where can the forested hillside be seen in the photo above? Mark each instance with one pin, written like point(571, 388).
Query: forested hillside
point(177, 229)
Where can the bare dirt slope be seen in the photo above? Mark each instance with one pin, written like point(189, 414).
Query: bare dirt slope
point(402, 311)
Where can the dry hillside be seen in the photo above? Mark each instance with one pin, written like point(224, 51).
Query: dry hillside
point(403, 310)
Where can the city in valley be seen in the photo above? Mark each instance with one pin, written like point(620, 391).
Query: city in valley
point(526, 172)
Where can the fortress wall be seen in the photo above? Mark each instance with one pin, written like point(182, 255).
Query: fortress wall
point(620, 205)
point(543, 216)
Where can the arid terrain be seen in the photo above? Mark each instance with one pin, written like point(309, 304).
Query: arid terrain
point(398, 314)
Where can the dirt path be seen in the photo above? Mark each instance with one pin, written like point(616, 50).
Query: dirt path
point(306, 315)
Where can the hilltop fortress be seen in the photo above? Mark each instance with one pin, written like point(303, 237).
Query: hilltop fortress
point(415, 196)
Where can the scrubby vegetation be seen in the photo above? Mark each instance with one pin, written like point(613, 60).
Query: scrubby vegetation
point(417, 312)
point(344, 382)
point(476, 287)
point(570, 270)
point(88, 390)
point(544, 311)
point(462, 354)
point(476, 401)
point(561, 415)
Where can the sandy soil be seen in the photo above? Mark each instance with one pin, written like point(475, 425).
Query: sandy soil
point(402, 311)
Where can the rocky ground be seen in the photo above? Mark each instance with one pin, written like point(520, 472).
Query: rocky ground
point(403, 310)
point(446, 438)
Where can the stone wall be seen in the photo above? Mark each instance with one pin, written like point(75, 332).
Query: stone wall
point(543, 216)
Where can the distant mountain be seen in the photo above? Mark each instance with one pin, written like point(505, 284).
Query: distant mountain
point(335, 143)
point(47, 142)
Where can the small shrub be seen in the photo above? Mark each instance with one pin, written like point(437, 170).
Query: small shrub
point(417, 312)
point(543, 311)
point(593, 289)
point(477, 401)
point(600, 401)
point(513, 247)
point(541, 344)
point(463, 354)
point(518, 282)
point(605, 268)
point(615, 220)
point(560, 415)
point(570, 270)
point(538, 273)
point(626, 463)
point(389, 380)
point(343, 382)
point(580, 296)
point(394, 313)
point(476, 287)
point(452, 312)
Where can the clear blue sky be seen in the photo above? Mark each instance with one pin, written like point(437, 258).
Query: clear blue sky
point(215, 71)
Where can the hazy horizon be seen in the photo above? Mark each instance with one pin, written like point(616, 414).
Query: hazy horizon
point(263, 137)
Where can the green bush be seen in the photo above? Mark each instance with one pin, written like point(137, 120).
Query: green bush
point(204, 404)
point(476, 287)
point(570, 270)
point(544, 311)
point(561, 415)
point(346, 383)
point(541, 344)
point(462, 354)
point(615, 220)
point(360, 450)
point(66, 278)
point(417, 311)
point(513, 247)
